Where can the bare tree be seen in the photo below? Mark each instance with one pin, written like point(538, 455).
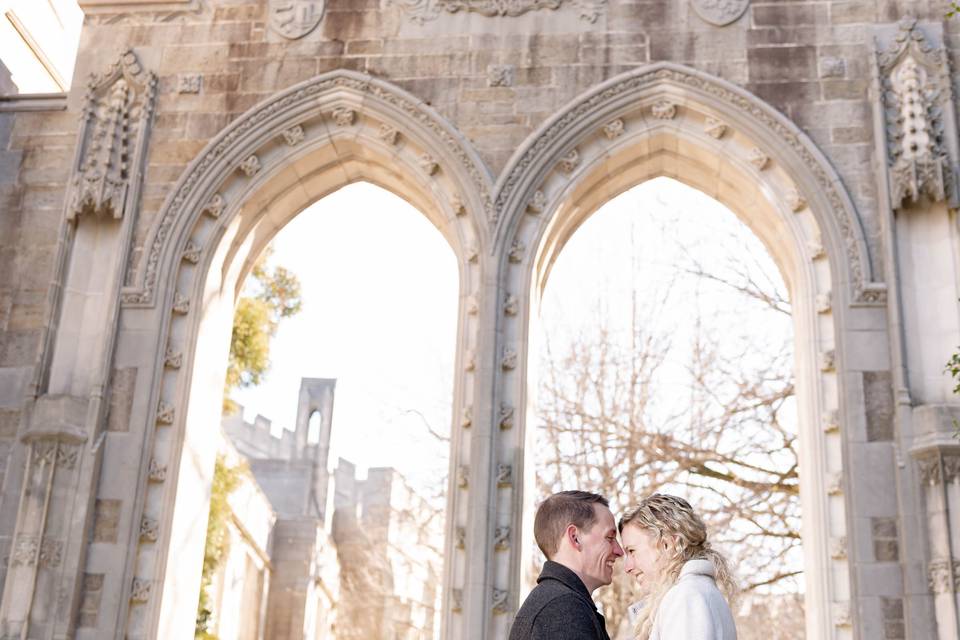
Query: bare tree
point(704, 412)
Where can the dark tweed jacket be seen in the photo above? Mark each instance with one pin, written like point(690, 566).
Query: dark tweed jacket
point(558, 608)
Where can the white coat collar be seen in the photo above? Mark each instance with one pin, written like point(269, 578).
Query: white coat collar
point(698, 568)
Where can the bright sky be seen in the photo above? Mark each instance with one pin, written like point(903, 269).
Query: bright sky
point(379, 309)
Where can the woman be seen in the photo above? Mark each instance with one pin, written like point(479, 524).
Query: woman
point(685, 584)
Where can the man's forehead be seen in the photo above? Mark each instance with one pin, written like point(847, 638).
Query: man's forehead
point(605, 520)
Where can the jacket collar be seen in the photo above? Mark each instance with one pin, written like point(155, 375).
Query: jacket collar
point(556, 571)
point(698, 567)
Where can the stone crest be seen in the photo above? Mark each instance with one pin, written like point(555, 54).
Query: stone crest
point(294, 19)
point(720, 12)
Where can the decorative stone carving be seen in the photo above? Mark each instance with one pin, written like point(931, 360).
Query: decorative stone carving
point(140, 590)
point(509, 360)
point(285, 107)
point(181, 304)
point(838, 547)
point(156, 472)
point(823, 302)
point(501, 539)
point(45, 452)
point(294, 19)
point(500, 75)
point(758, 158)
point(570, 161)
point(506, 416)
point(420, 11)
point(817, 251)
point(471, 358)
point(189, 83)
point(456, 203)
point(456, 600)
point(664, 109)
point(951, 468)
point(467, 420)
point(191, 253)
point(250, 166)
point(343, 116)
point(117, 113)
point(569, 127)
point(28, 552)
point(473, 307)
point(613, 129)
point(473, 254)
point(67, 455)
point(828, 360)
point(720, 12)
point(944, 576)
point(172, 359)
point(149, 529)
point(461, 536)
point(833, 67)
point(831, 421)
point(511, 305)
point(165, 413)
point(215, 206)
point(390, 135)
point(463, 476)
point(835, 484)
point(842, 616)
point(794, 199)
point(294, 135)
point(517, 249)
point(715, 128)
point(500, 600)
point(428, 164)
point(929, 469)
point(24, 552)
point(917, 104)
point(504, 475)
point(538, 203)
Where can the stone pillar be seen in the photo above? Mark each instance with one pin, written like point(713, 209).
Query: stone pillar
point(66, 409)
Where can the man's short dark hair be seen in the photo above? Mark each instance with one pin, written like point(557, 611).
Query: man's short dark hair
point(560, 511)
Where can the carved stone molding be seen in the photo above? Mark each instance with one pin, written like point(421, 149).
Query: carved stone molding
point(715, 128)
point(421, 11)
point(517, 250)
point(29, 551)
point(294, 135)
point(471, 358)
point(140, 590)
point(156, 471)
point(473, 307)
point(181, 304)
point(720, 12)
point(736, 107)
point(467, 420)
point(758, 159)
point(250, 166)
point(191, 253)
point(239, 138)
point(149, 529)
point(500, 600)
point(165, 413)
point(509, 360)
point(835, 484)
point(117, 114)
point(428, 164)
point(664, 109)
point(511, 305)
point(570, 161)
point(838, 547)
point(506, 416)
point(172, 359)
point(501, 538)
point(463, 476)
point(823, 302)
point(842, 615)
point(456, 600)
point(795, 199)
point(189, 83)
point(390, 135)
point(459, 208)
point(916, 99)
point(831, 421)
point(504, 475)
point(293, 19)
point(943, 576)
point(461, 537)
point(614, 129)
point(828, 360)
point(537, 203)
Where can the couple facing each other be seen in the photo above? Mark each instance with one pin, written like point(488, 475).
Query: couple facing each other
point(684, 584)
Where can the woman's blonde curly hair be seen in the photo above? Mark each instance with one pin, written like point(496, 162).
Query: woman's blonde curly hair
point(672, 519)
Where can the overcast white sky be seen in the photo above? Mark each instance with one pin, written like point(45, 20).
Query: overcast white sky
point(380, 308)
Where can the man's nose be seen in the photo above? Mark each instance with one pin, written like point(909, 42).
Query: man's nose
point(617, 549)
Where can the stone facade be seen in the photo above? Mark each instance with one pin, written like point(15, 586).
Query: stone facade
point(131, 208)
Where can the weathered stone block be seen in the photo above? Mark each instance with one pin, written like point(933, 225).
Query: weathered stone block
point(106, 520)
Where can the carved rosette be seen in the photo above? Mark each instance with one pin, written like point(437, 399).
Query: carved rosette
point(917, 104)
point(112, 141)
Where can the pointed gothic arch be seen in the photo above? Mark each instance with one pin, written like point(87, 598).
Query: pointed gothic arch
point(669, 120)
point(252, 178)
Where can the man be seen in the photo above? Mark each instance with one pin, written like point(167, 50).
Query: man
point(577, 533)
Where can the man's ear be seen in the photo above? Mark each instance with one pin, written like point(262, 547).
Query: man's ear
point(572, 534)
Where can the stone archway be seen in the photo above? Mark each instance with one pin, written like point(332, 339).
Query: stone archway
point(669, 120)
point(255, 176)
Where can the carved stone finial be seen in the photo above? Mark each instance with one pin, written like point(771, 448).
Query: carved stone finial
point(917, 100)
point(112, 141)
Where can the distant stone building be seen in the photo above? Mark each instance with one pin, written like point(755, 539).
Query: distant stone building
point(315, 560)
